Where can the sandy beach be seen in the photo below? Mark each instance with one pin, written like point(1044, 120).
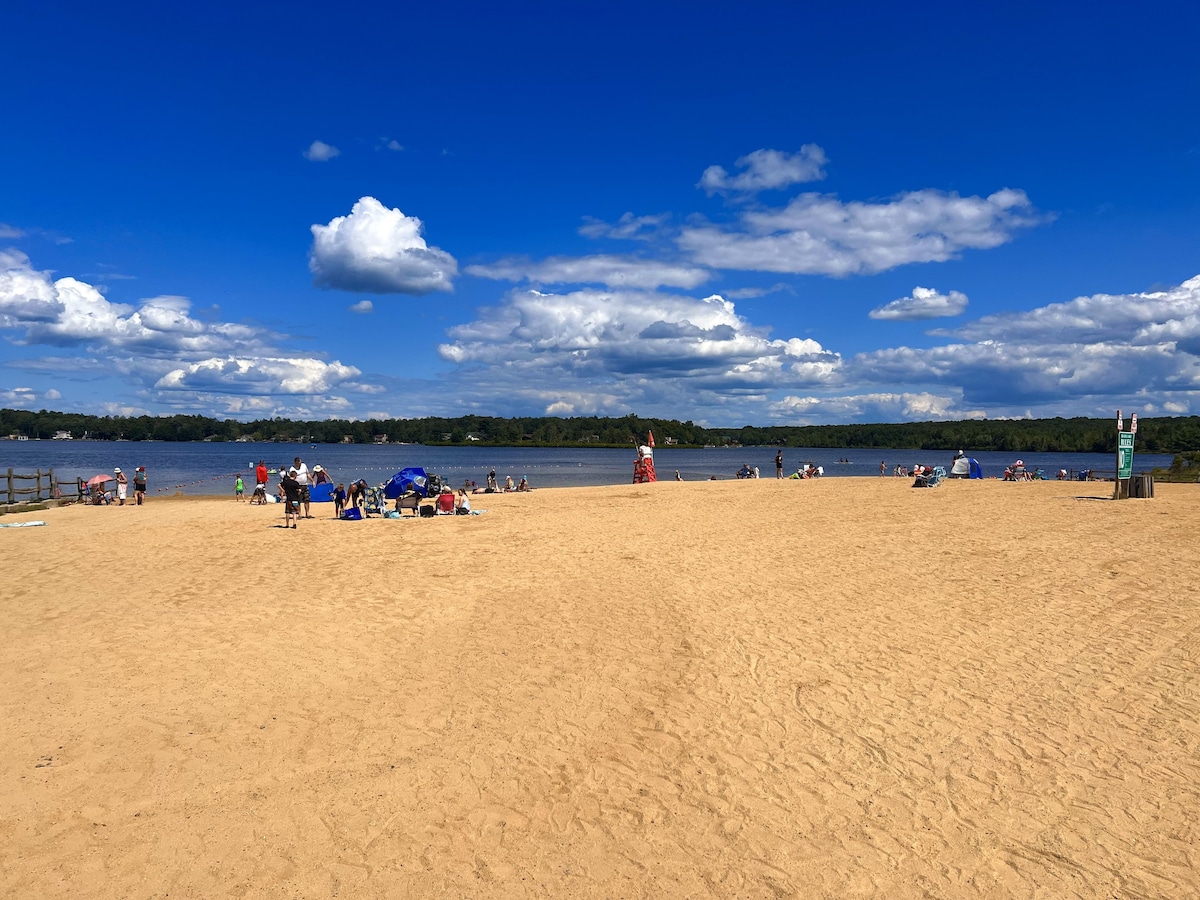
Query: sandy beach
point(836, 688)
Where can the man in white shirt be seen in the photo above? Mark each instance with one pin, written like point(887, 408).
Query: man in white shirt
point(302, 479)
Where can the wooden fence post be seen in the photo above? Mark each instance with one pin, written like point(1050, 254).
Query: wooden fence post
point(10, 485)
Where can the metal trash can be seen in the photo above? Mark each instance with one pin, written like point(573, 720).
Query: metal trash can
point(1141, 486)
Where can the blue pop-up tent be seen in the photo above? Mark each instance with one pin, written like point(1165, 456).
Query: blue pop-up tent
point(412, 479)
point(976, 469)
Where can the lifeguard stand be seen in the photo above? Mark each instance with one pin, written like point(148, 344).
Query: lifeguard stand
point(643, 466)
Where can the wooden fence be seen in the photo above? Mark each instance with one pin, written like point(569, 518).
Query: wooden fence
point(44, 487)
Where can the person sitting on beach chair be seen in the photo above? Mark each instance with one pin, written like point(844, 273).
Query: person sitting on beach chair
point(1017, 472)
point(445, 504)
point(928, 477)
point(409, 500)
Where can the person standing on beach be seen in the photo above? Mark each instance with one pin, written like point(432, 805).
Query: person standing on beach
point(260, 474)
point(779, 464)
point(122, 486)
point(491, 481)
point(139, 485)
point(291, 498)
point(239, 490)
point(301, 477)
point(882, 467)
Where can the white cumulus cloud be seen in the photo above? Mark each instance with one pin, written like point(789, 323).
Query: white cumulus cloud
point(924, 303)
point(877, 407)
point(816, 234)
point(1140, 318)
point(625, 350)
point(613, 271)
point(766, 169)
point(157, 345)
point(26, 296)
point(259, 375)
point(628, 227)
point(362, 307)
point(378, 250)
point(18, 397)
point(319, 151)
point(1074, 358)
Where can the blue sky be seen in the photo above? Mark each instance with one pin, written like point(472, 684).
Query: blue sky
point(777, 214)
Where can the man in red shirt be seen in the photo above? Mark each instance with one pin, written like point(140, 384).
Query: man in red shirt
point(260, 474)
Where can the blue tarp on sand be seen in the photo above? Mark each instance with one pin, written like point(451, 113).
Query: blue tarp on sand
point(413, 479)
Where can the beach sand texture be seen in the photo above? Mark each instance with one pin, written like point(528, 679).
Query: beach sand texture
point(835, 688)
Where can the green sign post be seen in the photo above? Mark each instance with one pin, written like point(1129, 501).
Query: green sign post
point(1124, 454)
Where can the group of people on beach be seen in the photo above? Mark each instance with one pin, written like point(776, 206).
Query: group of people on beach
point(293, 489)
point(98, 495)
point(296, 480)
point(493, 486)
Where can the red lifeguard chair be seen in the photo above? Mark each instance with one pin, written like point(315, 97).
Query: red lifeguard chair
point(643, 466)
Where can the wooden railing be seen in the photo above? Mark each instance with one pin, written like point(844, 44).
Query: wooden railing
point(45, 487)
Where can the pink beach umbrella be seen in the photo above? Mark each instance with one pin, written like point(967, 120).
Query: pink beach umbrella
point(97, 480)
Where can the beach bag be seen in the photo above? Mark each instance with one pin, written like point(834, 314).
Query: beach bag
point(428, 512)
point(353, 513)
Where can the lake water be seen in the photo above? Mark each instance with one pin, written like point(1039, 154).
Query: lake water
point(210, 468)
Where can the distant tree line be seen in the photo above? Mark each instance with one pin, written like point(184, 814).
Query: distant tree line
point(1078, 435)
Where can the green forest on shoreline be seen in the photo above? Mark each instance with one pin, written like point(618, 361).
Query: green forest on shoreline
point(1076, 435)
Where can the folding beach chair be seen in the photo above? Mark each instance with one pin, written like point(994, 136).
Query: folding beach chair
point(930, 477)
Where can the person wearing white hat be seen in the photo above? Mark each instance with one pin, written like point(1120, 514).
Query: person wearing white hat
point(961, 467)
point(122, 486)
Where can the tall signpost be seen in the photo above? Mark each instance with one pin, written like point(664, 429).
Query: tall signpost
point(1124, 456)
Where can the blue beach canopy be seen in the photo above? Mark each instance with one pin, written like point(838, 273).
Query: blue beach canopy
point(976, 469)
point(412, 479)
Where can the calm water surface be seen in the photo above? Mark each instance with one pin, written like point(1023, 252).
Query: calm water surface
point(210, 468)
